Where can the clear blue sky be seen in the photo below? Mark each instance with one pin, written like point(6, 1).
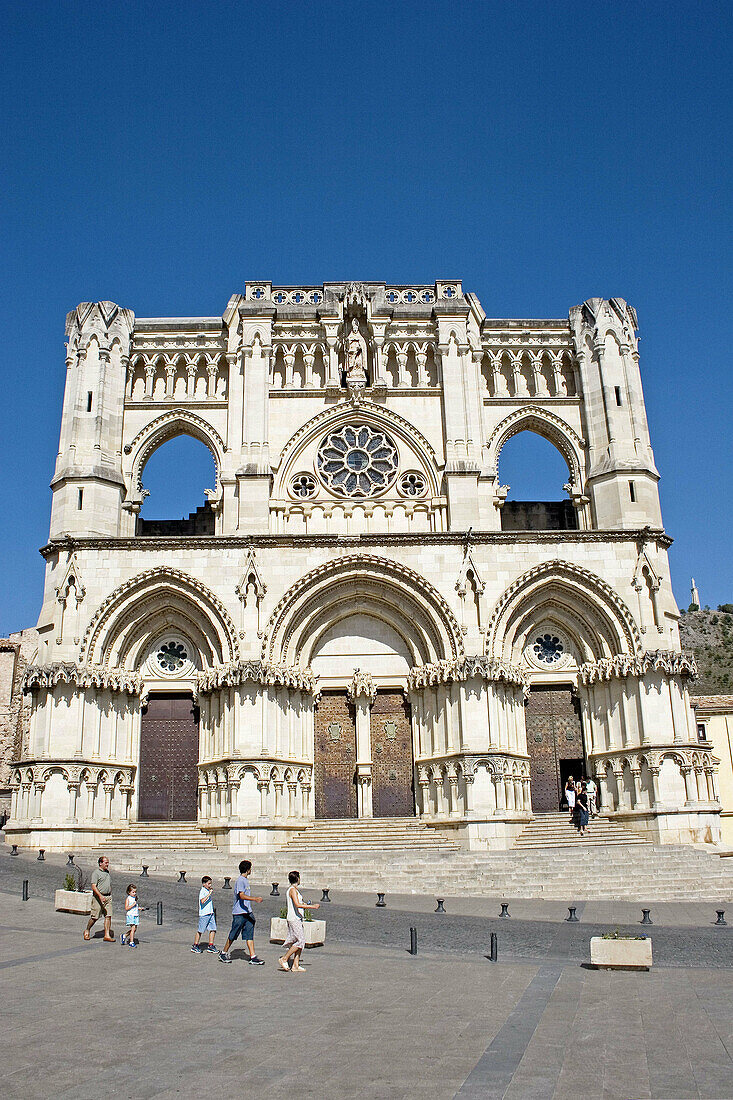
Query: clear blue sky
point(160, 155)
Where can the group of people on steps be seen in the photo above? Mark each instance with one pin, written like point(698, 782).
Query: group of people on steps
point(581, 797)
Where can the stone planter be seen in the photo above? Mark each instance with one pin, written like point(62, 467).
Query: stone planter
point(622, 954)
point(73, 901)
point(315, 931)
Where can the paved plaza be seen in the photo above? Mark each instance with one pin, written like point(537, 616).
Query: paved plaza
point(366, 1019)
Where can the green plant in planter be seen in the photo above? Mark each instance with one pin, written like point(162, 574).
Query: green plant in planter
point(616, 935)
point(284, 913)
point(70, 883)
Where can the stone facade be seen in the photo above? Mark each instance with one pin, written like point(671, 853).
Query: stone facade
point(358, 547)
point(714, 721)
point(16, 653)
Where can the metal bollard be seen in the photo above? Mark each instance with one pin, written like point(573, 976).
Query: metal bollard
point(274, 893)
point(25, 889)
point(572, 914)
point(41, 855)
point(70, 860)
point(324, 895)
point(227, 882)
point(14, 851)
point(144, 872)
point(181, 876)
point(159, 913)
point(504, 910)
point(439, 908)
point(381, 903)
point(721, 922)
point(413, 941)
point(494, 949)
point(645, 918)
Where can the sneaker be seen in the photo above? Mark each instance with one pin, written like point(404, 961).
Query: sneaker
point(132, 943)
point(210, 947)
point(224, 957)
point(254, 960)
point(196, 949)
point(122, 939)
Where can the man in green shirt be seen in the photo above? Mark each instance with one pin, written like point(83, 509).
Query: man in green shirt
point(101, 900)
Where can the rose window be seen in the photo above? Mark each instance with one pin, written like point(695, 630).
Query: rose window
point(412, 484)
point(357, 461)
point(548, 649)
point(172, 656)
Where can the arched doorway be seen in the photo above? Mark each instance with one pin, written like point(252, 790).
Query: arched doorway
point(363, 739)
point(554, 743)
point(169, 755)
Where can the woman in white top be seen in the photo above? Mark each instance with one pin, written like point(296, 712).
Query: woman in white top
point(570, 795)
point(295, 941)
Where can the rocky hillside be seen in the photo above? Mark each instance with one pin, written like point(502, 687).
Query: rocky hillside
point(709, 636)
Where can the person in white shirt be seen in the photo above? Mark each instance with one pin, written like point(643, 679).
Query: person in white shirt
point(592, 791)
point(207, 920)
point(295, 941)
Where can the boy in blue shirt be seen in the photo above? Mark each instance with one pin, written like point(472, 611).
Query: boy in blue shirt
point(207, 920)
point(243, 919)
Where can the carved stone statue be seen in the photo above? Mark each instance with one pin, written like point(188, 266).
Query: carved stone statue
point(355, 358)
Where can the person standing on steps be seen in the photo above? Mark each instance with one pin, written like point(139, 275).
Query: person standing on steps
point(592, 792)
point(582, 812)
point(101, 900)
point(243, 919)
point(570, 796)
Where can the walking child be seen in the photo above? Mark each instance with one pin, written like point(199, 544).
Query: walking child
point(295, 941)
point(243, 919)
point(207, 920)
point(132, 917)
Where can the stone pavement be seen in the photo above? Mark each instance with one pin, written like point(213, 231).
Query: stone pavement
point(366, 1019)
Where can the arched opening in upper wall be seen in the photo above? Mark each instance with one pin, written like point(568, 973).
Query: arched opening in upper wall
point(536, 473)
point(175, 479)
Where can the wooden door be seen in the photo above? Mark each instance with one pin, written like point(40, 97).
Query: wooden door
point(554, 744)
point(335, 756)
point(169, 754)
point(392, 766)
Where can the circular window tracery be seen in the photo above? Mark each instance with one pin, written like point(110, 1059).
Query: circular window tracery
point(412, 484)
point(303, 486)
point(548, 649)
point(357, 461)
point(171, 656)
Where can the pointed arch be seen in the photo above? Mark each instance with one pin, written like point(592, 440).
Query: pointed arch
point(168, 426)
point(551, 427)
point(154, 600)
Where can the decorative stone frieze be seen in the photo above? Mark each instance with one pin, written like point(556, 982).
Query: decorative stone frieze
point(257, 672)
point(362, 686)
point(466, 668)
point(82, 676)
point(626, 664)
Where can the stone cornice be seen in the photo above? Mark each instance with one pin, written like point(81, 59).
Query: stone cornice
point(423, 538)
point(255, 672)
point(83, 676)
point(622, 665)
point(466, 668)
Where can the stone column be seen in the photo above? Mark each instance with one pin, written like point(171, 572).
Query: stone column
point(362, 693)
point(278, 798)
point(211, 372)
point(263, 786)
point(424, 784)
point(710, 781)
point(305, 790)
point(690, 785)
point(73, 788)
point(292, 788)
point(170, 374)
point(149, 378)
point(108, 792)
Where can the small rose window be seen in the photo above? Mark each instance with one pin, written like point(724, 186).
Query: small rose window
point(171, 656)
point(412, 484)
point(303, 486)
point(548, 649)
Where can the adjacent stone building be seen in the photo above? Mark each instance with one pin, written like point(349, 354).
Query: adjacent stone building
point(356, 622)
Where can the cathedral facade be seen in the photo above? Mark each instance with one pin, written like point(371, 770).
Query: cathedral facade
point(357, 622)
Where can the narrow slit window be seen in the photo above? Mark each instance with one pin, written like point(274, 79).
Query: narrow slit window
point(89, 401)
point(618, 395)
point(80, 500)
point(632, 492)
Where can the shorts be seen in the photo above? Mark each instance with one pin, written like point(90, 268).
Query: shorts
point(207, 923)
point(243, 924)
point(296, 934)
point(97, 909)
point(132, 921)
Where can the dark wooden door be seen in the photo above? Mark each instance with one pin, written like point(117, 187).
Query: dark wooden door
point(392, 768)
point(169, 754)
point(554, 744)
point(335, 756)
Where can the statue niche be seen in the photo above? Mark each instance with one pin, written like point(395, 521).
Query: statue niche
point(356, 360)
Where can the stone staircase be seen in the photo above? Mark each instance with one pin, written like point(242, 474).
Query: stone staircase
point(408, 858)
point(159, 836)
point(555, 831)
point(387, 834)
